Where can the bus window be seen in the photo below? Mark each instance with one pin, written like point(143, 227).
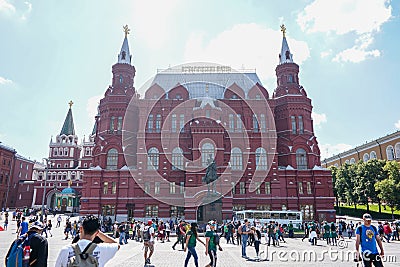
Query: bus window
point(266, 215)
point(240, 216)
point(275, 215)
point(284, 215)
point(257, 215)
point(293, 216)
point(249, 215)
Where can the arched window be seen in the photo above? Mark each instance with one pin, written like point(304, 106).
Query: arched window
point(347, 161)
point(301, 159)
point(177, 159)
point(389, 153)
point(255, 123)
point(236, 159)
point(112, 159)
point(366, 157)
point(261, 159)
point(397, 149)
point(372, 155)
point(152, 159)
point(207, 154)
point(158, 123)
point(263, 123)
point(231, 123)
point(65, 151)
point(150, 123)
point(352, 161)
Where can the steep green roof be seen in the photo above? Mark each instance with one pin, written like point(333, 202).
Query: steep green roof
point(68, 127)
point(94, 128)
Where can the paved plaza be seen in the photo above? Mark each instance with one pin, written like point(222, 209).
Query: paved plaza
point(293, 253)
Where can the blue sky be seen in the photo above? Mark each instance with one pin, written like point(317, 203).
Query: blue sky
point(52, 52)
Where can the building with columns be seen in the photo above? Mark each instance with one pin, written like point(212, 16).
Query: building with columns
point(148, 156)
point(384, 148)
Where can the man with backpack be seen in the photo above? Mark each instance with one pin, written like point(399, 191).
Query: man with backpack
point(30, 248)
point(148, 239)
point(367, 236)
point(85, 252)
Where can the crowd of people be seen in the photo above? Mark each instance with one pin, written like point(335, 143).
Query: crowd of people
point(108, 236)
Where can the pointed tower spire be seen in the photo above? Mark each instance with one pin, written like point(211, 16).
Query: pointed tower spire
point(124, 57)
point(68, 126)
point(285, 56)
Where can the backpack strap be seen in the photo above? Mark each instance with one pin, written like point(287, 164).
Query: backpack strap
point(89, 248)
point(77, 251)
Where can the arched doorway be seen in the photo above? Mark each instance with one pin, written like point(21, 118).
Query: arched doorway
point(51, 199)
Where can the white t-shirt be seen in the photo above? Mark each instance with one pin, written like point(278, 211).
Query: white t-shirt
point(103, 252)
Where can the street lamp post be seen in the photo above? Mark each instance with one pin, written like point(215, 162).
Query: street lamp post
point(48, 162)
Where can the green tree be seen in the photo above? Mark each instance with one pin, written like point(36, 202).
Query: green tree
point(367, 175)
point(389, 188)
point(345, 183)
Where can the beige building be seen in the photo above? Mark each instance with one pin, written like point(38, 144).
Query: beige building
point(387, 148)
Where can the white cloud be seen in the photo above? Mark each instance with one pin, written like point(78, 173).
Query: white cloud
point(359, 17)
point(6, 6)
point(318, 118)
point(344, 16)
point(4, 80)
point(397, 124)
point(244, 45)
point(359, 51)
point(328, 150)
point(91, 106)
point(28, 11)
point(325, 54)
point(152, 21)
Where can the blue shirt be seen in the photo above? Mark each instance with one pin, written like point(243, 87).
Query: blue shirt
point(367, 238)
point(24, 227)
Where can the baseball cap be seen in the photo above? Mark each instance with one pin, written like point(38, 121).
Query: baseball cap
point(36, 225)
point(367, 216)
point(149, 222)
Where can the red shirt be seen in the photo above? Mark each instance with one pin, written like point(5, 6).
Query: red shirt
point(387, 229)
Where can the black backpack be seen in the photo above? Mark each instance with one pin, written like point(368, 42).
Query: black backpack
point(146, 234)
point(216, 238)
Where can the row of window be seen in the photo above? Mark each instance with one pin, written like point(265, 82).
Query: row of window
point(151, 211)
point(207, 155)
point(113, 188)
point(259, 123)
point(3, 178)
point(172, 188)
point(116, 124)
point(299, 122)
point(7, 162)
point(391, 154)
point(60, 151)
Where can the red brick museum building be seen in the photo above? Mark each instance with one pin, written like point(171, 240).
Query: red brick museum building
point(147, 155)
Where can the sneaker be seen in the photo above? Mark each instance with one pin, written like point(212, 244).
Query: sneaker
point(148, 261)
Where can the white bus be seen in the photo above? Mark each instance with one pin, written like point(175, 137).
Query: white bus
point(265, 216)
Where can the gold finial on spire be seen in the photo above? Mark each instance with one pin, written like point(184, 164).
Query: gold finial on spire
point(126, 30)
point(70, 103)
point(283, 30)
point(69, 183)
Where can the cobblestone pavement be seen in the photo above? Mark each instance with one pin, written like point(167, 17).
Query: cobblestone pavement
point(293, 253)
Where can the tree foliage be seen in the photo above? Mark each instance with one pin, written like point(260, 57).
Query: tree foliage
point(366, 182)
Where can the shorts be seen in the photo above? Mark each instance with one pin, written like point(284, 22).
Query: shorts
point(148, 245)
